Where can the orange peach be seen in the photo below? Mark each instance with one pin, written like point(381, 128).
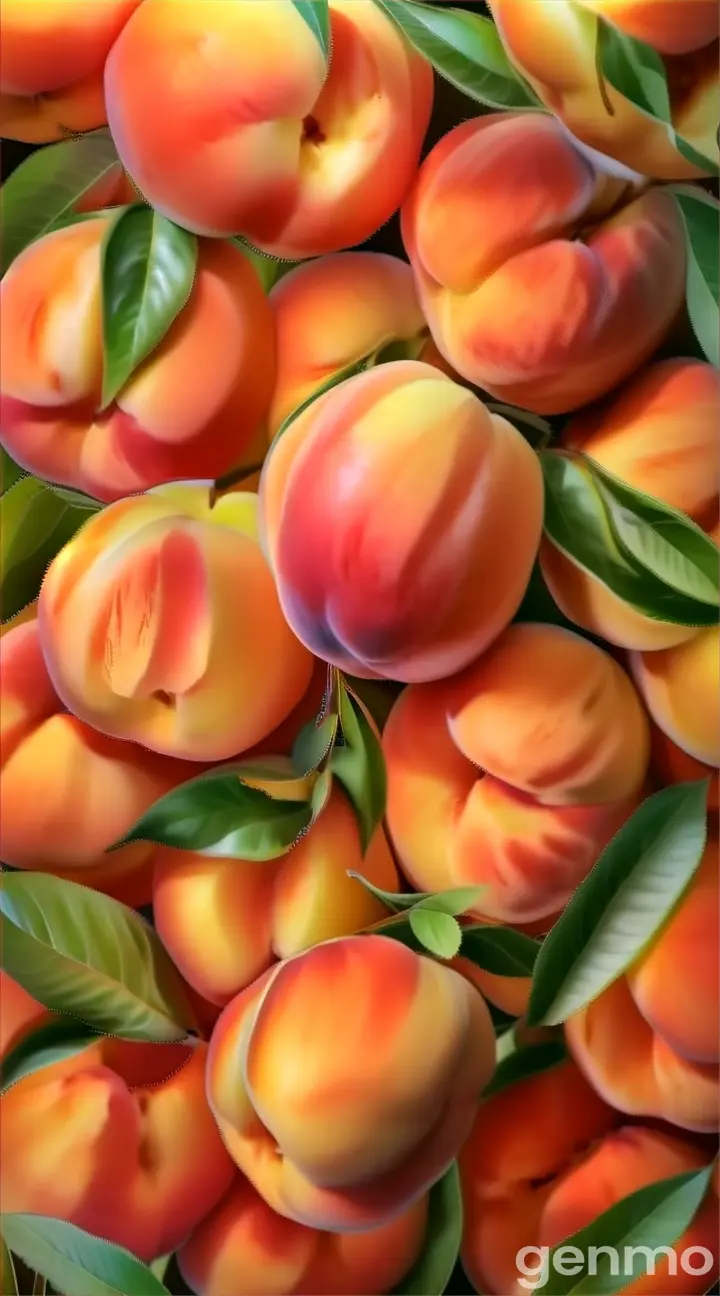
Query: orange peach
point(53, 58)
point(553, 44)
point(113, 189)
point(396, 1049)
point(661, 435)
point(543, 1161)
point(244, 1247)
point(118, 1140)
point(650, 1043)
point(253, 914)
point(193, 408)
point(555, 281)
point(670, 765)
point(160, 623)
point(66, 791)
point(509, 994)
point(401, 520)
point(515, 774)
point(306, 159)
point(681, 689)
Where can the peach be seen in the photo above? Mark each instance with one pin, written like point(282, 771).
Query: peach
point(244, 1247)
point(556, 282)
point(66, 791)
point(305, 160)
point(118, 1140)
point(649, 1043)
point(515, 774)
point(661, 435)
point(192, 409)
point(54, 53)
point(670, 765)
point(544, 1160)
point(509, 994)
point(681, 689)
point(553, 44)
point(160, 623)
point(251, 915)
point(396, 1049)
point(113, 189)
point(401, 520)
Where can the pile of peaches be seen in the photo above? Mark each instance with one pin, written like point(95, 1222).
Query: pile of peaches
point(360, 662)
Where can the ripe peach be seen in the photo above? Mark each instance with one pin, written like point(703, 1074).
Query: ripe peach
point(396, 1049)
point(649, 1043)
point(160, 623)
point(306, 159)
point(670, 764)
point(245, 1247)
point(192, 409)
point(553, 44)
point(515, 774)
point(552, 286)
point(681, 689)
point(401, 520)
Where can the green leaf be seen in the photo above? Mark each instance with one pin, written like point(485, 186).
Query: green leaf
point(653, 1217)
point(701, 216)
point(622, 904)
point(75, 1261)
point(393, 901)
point(10, 472)
point(47, 187)
point(438, 932)
point(52, 1042)
point(219, 816)
point(466, 50)
point(35, 524)
point(500, 950)
point(82, 953)
point(317, 16)
point(399, 349)
point(358, 764)
point(457, 901)
point(148, 270)
point(8, 1275)
point(578, 522)
point(314, 744)
point(431, 1272)
point(377, 696)
point(537, 431)
point(76, 498)
point(525, 1062)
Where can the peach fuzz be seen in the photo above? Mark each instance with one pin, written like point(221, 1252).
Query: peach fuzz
point(53, 57)
point(661, 435)
point(545, 1159)
point(553, 45)
point(322, 157)
point(68, 792)
point(649, 1043)
point(191, 409)
point(401, 520)
point(245, 1247)
point(386, 1094)
point(681, 689)
point(515, 774)
point(253, 914)
point(159, 623)
point(552, 286)
point(117, 1140)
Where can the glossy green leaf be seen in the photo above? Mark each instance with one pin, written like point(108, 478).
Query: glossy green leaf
point(47, 186)
point(635, 1228)
point(615, 913)
point(525, 1062)
point(74, 1261)
point(701, 217)
point(35, 524)
point(219, 816)
point(10, 472)
point(8, 1276)
point(431, 1272)
point(52, 1042)
point(438, 932)
point(500, 950)
point(148, 270)
point(80, 952)
point(357, 763)
point(314, 744)
point(465, 49)
point(76, 498)
point(316, 14)
point(456, 901)
point(395, 902)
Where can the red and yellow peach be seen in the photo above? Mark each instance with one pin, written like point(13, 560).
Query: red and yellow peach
point(681, 689)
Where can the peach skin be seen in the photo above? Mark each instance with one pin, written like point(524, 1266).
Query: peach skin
point(553, 44)
point(244, 1247)
point(661, 435)
point(544, 1159)
point(308, 159)
point(53, 58)
point(159, 623)
point(670, 764)
point(649, 1043)
point(386, 1093)
point(515, 774)
point(681, 689)
point(117, 1139)
point(556, 282)
point(66, 791)
point(401, 520)
point(254, 914)
point(192, 409)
